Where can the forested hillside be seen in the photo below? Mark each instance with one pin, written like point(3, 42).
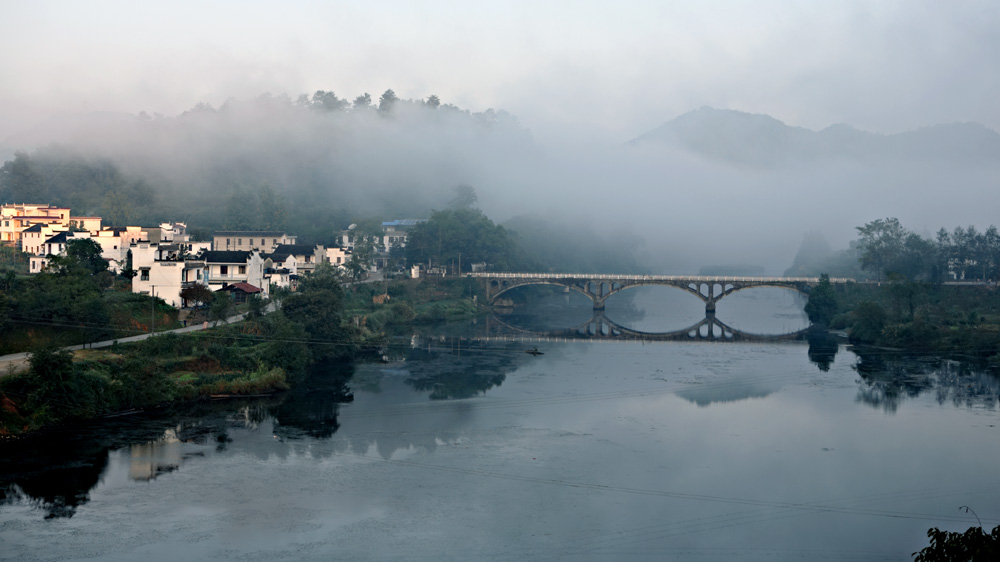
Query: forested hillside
point(311, 165)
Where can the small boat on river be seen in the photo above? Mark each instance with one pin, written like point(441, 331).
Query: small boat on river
point(533, 351)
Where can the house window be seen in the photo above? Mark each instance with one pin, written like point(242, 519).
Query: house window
point(274, 241)
point(143, 275)
point(239, 242)
point(227, 242)
point(223, 270)
point(262, 242)
point(243, 270)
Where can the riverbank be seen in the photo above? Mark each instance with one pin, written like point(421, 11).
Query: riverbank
point(254, 354)
point(958, 321)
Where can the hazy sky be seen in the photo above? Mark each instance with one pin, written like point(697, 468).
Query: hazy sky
point(574, 68)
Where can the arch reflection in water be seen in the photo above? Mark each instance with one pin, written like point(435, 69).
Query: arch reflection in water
point(600, 327)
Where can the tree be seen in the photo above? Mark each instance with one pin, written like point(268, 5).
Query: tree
point(973, 545)
point(86, 254)
point(21, 180)
point(869, 321)
point(272, 211)
point(387, 101)
point(881, 243)
point(50, 374)
point(222, 307)
point(822, 305)
point(118, 208)
point(465, 197)
point(196, 293)
point(318, 307)
point(433, 102)
point(462, 233)
point(364, 101)
point(241, 210)
point(327, 101)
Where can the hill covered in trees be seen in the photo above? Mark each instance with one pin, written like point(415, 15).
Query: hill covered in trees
point(307, 164)
point(312, 166)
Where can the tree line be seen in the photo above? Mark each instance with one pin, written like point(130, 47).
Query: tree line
point(885, 250)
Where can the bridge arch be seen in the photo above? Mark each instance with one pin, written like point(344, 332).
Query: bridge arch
point(504, 288)
point(599, 287)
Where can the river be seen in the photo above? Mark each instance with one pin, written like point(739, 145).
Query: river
point(597, 449)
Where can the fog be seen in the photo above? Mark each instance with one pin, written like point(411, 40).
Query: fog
point(541, 104)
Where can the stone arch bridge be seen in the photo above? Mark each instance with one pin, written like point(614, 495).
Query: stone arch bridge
point(598, 287)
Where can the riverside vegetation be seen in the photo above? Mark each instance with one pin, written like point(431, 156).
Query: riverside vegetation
point(264, 353)
point(929, 297)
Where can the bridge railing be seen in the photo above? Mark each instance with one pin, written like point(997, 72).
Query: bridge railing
point(679, 278)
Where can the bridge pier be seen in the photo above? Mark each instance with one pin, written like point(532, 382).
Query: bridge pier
point(710, 307)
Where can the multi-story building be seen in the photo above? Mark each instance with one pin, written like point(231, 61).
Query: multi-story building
point(15, 219)
point(164, 270)
point(247, 240)
point(224, 268)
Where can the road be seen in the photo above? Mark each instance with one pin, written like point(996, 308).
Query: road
point(18, 362)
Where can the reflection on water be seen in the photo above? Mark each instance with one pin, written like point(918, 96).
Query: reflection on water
point(149, 460)
point(457, 448)
point(889, 378)
point(438, 367)
point(823, 347)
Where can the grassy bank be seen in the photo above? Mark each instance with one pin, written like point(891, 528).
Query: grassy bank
point(62, 386)
point(394, 303)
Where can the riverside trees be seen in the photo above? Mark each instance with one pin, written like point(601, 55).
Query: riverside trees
point(463, 235)
point(887, 248)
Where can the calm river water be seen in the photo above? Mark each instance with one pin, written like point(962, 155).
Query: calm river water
point(460, 449)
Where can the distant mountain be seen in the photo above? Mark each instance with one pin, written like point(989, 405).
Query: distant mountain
point(749, 139)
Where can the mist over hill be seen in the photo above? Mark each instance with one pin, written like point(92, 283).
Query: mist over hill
point(710, 187)
point(748, 139)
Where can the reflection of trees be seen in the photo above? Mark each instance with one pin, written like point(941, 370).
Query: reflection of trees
point(823, 348)
point(61, 490)
point(56, 471)
point(312, 409)
point(448, 374)
point(889, 378)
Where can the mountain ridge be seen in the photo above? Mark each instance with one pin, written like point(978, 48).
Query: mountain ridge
point(760, 140)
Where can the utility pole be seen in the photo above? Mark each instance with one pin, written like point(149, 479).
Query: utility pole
point(152, 309)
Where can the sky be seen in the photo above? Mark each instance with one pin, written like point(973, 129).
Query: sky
point(566, 69)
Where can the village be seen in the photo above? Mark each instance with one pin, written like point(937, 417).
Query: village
point(164, 260)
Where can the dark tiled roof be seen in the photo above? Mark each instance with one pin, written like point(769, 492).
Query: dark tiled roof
point(33, 228)
point(57, 239)
point(224, 257)
point(295, 248)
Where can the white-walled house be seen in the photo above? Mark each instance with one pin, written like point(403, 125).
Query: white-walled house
point(281, 273)
point(163, 271)
point(224, 268)
point(336, 256)
point(306, 256)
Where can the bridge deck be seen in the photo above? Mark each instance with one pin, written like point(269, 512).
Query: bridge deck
point(676, 278)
